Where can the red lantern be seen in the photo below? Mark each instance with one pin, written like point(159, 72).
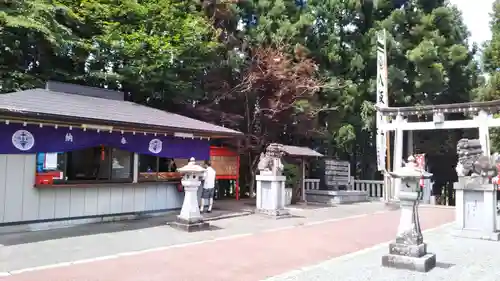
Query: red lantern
point(420, 159)
point(103, 153)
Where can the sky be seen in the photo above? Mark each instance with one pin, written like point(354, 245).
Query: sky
point(476, 17)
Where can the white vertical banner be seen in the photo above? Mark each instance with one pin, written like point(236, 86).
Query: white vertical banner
point(382, 98)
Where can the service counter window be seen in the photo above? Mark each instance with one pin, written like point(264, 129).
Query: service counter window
point(95, 164)
point(153, 168)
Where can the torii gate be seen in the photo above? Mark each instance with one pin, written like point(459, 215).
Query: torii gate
point(482, 119)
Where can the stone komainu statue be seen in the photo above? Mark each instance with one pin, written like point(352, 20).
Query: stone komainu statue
point(472, 162)
point(270, 162)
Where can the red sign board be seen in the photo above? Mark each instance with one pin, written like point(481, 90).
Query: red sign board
point(226, 163)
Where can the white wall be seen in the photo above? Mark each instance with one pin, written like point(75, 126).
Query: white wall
point(21, 201)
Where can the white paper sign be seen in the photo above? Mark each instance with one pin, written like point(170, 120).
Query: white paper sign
point(50, 162)
point(382, 99)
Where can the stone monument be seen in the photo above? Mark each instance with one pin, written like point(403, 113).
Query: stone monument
point(271, 183)
point(190, 218)
point(409, 250)
point(476, 197)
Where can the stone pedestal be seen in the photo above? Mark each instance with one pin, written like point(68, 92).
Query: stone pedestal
point(190, 218)
point(427, 191)
point(270, 199)
point(336, 197)
point(475, 210)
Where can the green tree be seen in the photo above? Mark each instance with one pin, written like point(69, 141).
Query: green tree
point(34, 44)
point(341, 43)
point(158, 51)
point(239, 61)
point(429, 56)
point(268, 86)
point(491, 59)
point(490, 90)
point(429, 62)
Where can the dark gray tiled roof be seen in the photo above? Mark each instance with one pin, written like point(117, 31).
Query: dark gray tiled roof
point(301, 151)
point(43, 101)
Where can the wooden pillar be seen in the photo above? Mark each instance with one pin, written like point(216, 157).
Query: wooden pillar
point(387, 179)
point(409, 143)
point(135, 160)
point(398, 153)
point(303, 177)
point(237, 181)
point(484, 134)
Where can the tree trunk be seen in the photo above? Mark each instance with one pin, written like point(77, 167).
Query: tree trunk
point(296, 193)
point(252, 172)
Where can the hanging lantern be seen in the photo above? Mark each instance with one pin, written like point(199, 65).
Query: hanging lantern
point(103, 153)
point(420, 159)
point(180, 188)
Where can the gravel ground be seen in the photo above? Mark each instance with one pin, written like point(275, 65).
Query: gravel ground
point(459, 259)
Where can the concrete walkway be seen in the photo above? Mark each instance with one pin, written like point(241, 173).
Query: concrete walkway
point(245, 248)
point(32, 249)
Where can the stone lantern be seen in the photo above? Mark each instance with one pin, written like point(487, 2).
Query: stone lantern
point(409, 250)
point(190, 218)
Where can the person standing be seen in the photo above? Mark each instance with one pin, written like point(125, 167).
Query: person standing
point(208, 188)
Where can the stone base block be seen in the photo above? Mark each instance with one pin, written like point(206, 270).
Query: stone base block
point(335, 197)
point(433, 200)
point(275, 214)
point(415, 251)
point(476, 234)
point(190, 226)
point(393, 204)
point(421, 264)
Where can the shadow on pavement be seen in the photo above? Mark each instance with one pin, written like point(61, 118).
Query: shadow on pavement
point(444, 265)
point(83, 230)
point(214, 228)
point(143, 222)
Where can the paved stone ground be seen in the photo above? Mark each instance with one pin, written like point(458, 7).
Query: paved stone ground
point(23, 250)
point(258, 255)
point(459, 259)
